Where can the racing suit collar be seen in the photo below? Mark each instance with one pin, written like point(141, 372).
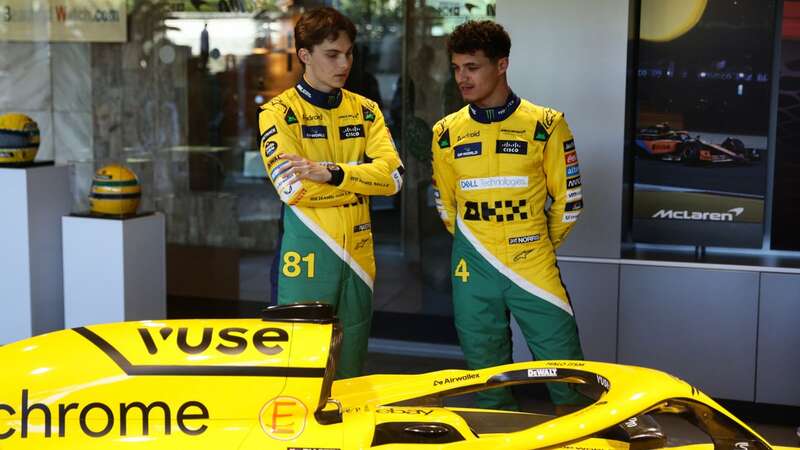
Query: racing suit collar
point(317, 98)
point(496, 114)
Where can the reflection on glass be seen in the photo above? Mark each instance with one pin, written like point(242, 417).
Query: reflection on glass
point(412, 246)
point(701, 125)
point(176, 100)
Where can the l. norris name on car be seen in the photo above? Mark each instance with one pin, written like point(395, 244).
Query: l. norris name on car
point(63, 414)
point(233, 340)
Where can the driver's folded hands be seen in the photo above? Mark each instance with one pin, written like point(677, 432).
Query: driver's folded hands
point(303, 169)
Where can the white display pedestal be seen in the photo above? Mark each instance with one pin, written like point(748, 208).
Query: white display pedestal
point(31, 290)
point(114, 269)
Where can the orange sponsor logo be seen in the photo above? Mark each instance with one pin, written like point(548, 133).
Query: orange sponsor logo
point(283, 418)
point(571, 158)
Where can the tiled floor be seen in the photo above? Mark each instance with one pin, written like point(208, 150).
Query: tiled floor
point(776, 424)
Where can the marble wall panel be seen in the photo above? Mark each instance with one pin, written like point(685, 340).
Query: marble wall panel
point(106, 65)
point(107, 96)
point(167, 77)
point(25, 76)
point(170, 171)
point(72, 136)
point(140, 106)
point(180, 76)
point(72, 77)
point(207, 219)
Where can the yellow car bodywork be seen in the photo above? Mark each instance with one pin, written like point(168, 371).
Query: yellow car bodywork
point(266, 384)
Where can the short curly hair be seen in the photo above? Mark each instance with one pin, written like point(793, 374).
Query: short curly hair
point(486, 35)
point(319, 24)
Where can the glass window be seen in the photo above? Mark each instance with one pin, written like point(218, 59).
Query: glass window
point(171, 88)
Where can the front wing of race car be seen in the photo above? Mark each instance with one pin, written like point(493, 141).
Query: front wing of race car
point(252, 384)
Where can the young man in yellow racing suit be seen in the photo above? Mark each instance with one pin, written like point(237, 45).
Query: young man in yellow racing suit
point(326, 150)
point(495, 162)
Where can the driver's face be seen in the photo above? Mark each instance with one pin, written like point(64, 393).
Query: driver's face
point(477, 76)
point(328, 64)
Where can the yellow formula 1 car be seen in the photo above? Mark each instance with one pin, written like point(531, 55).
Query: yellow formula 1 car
point(267, 384)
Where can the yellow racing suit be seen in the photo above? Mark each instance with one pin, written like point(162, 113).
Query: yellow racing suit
point(493, 171)
point(326, 248)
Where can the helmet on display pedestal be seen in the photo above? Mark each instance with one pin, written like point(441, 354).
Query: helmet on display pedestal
point(19, 139)
point(115, 191)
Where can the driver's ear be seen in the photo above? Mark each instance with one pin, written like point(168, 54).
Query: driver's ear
point(502, 65)
point(304, 55)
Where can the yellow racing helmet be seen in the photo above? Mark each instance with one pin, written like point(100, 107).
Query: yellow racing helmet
point(19, 139)
point(115, 191)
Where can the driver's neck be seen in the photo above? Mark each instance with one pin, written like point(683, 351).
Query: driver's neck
point(316, 83)
point(497, 98)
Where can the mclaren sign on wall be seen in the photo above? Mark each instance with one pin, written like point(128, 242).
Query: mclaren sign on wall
point(697, 218)
point(698, 215)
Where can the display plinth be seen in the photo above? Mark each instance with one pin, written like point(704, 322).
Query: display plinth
point(31, 290)
point(114, 269)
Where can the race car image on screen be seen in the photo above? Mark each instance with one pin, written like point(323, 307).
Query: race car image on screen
point(260, 384)
point(662, 142)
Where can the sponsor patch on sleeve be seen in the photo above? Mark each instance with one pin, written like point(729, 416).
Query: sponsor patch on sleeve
point(573, 206)
point(272, 131)
point(437, 200)
point(467, 150)
point(278, 170)
point(397, 177)
point(571, 211)
point(369, 116)
point(540, 133)
point(270, 148)
point(573, 183)
point(569, 145)
point(573, 171)
point(574, 194)
point(290, 117)
point(283, 180)
point(292, 191)
point(571, 158)
point(444, 139)
point(512, 147)
point(570, 217)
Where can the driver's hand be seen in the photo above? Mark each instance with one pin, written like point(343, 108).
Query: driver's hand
point(305, 169)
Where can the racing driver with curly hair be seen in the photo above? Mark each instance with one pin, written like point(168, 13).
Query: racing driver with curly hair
point(326, 150)
point(495, 163)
